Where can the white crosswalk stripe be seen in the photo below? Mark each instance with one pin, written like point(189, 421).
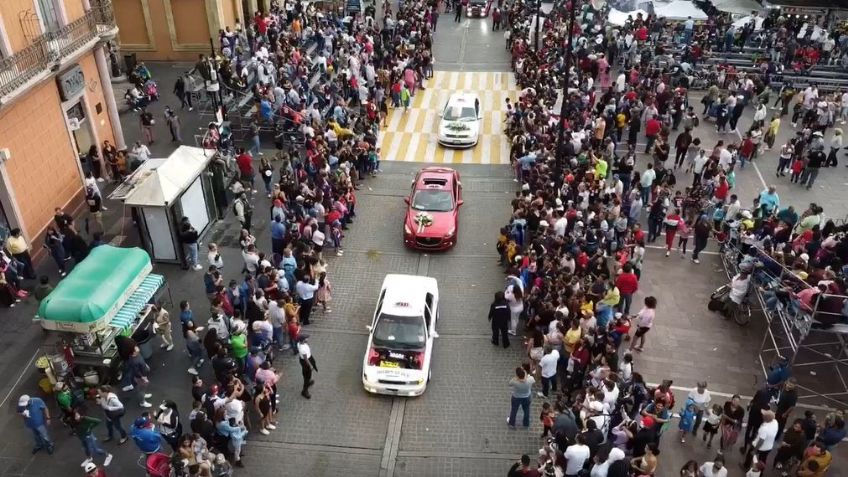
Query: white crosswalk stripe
point(411, 135)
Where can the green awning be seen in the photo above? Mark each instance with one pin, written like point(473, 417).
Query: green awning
point(97, 287)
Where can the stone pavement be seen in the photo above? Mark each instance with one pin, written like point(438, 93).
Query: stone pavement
point(457, 427)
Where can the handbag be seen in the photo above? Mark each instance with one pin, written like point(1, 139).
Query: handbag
point(729, 434)
point(537, 353)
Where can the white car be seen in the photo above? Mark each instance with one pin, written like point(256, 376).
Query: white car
point(460, 123)
point(400, 343)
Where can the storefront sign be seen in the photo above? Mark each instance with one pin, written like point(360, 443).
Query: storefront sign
point(71, 83)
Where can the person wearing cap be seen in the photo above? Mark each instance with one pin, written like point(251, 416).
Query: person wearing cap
point(238, 343)
point(499, 316)
point(307, 364)
point(36, 419)
point(93, 470)
point(815, 161)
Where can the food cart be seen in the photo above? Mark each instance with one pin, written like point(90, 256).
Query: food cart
point(109, 294)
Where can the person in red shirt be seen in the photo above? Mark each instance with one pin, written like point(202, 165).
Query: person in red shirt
point(523, 469)
point(671, 222)
point(245, 165)
point(627, 284)
point(720, 194)
point(652, 130)
point(746, 151)
point(642, 33)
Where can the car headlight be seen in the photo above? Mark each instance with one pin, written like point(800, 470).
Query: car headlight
point(451, 231)
point(406, 229)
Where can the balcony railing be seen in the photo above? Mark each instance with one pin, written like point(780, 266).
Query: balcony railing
point(48, 49)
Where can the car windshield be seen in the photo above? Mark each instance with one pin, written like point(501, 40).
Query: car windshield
point(460, 113)
point(478, 2)
point(432, 201)
point(399, 332)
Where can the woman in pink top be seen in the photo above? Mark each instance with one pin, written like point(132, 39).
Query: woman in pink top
point(269, 377)
point(646, 321)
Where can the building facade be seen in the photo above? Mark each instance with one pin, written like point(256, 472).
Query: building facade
point(178, 30)
point(56, 101)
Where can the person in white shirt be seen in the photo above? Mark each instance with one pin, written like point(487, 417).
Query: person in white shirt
point(843, 113)
point(602, 469)
point(611, 393)
point(724, 158)
point(251, 259)
point(733, 208)
point(715, 468)
point(307, 364)
point(576, 456)
point(739, 286)
point(305, 289)
point(646, 181)
point(548, 363)
point(140, 152)
point(764, 442)
point(700, 395)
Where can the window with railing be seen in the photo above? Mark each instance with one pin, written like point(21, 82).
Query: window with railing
point(46, 49)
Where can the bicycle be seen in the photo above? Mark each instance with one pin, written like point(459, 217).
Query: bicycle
point(720, 302)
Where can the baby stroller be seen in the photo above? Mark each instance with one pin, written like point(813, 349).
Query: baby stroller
point(162, 465)
point(151, 89)
point(156, 464)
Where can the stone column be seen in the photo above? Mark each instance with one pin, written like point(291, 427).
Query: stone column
point(109, 96)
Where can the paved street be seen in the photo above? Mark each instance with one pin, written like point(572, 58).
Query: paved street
point(457, 427)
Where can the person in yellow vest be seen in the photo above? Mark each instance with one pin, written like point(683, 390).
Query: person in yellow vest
point(18, 247)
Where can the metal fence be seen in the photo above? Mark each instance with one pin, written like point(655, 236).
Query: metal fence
point(50, 47)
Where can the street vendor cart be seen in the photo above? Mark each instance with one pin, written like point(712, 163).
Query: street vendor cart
point(109, 294)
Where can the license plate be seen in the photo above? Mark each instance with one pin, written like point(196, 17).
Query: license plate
point(456, 142)
point(389, 364)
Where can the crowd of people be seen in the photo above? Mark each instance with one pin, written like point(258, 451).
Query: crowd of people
point(574, 247)
point(261, 313)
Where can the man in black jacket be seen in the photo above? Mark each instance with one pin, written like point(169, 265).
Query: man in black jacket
point(189, 237)
point(499, 316)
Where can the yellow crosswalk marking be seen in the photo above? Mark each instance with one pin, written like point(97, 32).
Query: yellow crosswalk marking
point(411, 136)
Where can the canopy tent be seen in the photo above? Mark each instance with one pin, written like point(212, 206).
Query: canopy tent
point(740, 7)
point(758, 25)
point(95, 290)
point(619, 18)
point(681, 10)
